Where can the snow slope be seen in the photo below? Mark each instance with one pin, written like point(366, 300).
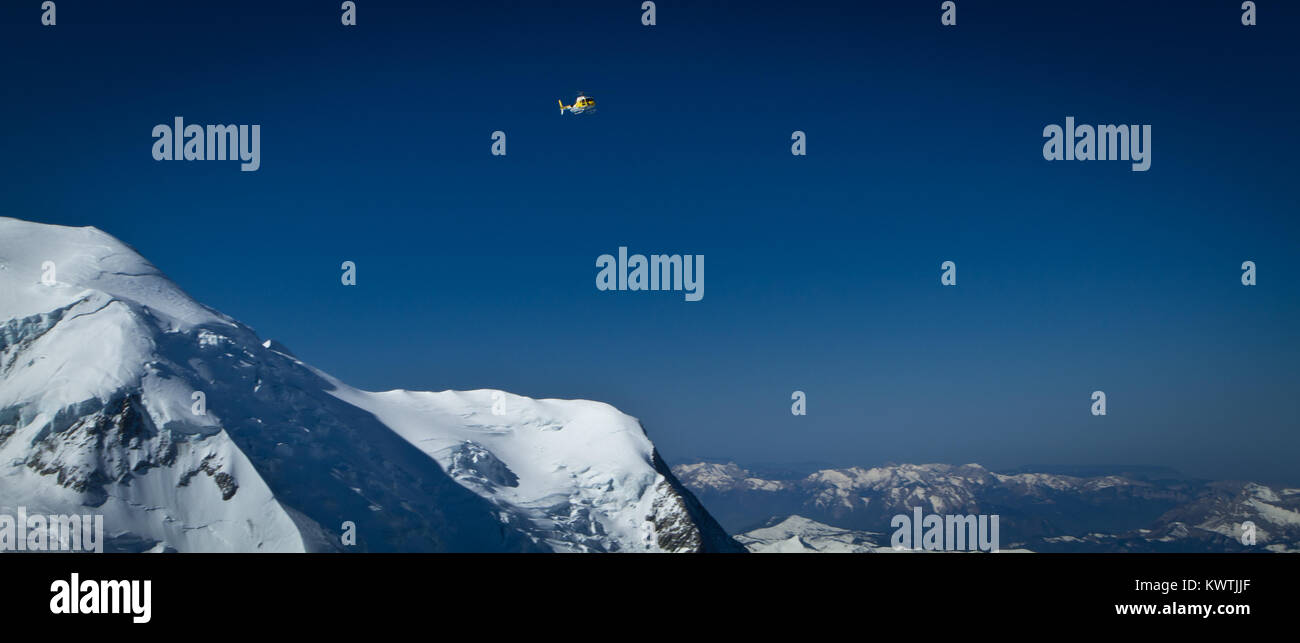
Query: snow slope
point(99, 369)
point(799, 535)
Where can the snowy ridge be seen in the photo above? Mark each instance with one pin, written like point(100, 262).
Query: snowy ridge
point(98, 372)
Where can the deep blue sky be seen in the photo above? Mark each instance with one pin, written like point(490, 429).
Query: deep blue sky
point(822, 272)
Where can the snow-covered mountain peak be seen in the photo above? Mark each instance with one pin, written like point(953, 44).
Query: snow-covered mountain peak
point(121, 395)
point(47, 267)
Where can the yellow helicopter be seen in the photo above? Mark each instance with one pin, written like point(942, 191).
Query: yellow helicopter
point(583, 104)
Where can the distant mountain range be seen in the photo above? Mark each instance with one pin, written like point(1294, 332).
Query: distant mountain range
point(849, 509)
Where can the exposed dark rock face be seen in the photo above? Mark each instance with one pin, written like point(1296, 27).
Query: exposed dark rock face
point(682, 523)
